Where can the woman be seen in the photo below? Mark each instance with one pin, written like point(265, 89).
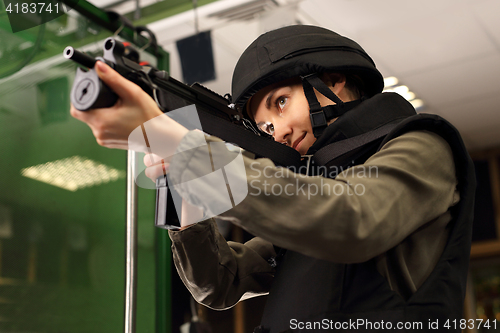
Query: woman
point(384, 240)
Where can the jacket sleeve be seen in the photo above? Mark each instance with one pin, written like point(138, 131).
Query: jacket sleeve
point(218, 273)
point(365, 211)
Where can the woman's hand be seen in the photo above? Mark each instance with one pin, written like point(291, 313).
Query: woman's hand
point(155, 166)
point(112, 126)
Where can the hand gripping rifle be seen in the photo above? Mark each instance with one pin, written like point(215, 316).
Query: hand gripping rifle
point(217, 115)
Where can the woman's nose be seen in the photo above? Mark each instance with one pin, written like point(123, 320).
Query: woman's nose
point(282, 132)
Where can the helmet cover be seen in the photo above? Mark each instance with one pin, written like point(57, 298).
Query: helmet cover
point(299, 50)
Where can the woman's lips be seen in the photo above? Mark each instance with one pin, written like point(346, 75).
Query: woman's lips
point(298, 141)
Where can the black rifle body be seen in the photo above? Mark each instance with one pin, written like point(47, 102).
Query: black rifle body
point(217, 115)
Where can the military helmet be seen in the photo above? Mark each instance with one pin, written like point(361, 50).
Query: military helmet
point(300, 50)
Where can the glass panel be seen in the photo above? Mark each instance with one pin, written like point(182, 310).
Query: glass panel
point(62, 196)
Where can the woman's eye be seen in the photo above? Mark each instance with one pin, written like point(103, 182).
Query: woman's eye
point(267, 128)
point(270, 129)
point(281, 102)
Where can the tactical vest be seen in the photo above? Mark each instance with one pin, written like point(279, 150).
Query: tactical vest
point(355, 297)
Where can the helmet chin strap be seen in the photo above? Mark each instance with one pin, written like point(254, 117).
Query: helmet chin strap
point(320, 116)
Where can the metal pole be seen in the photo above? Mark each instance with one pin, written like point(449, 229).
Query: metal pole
point(131, 246)
point(137, 13)
point(196, 26)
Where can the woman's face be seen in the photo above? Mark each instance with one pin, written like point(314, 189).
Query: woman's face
point(282, 110)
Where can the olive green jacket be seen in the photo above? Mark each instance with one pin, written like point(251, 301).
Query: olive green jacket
point(393, 209)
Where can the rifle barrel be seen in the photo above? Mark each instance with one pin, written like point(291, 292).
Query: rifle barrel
point(79, 57)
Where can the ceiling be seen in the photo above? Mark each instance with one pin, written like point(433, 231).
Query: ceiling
point(445, 51)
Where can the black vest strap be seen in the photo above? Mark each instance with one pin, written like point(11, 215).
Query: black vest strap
point(337, 149)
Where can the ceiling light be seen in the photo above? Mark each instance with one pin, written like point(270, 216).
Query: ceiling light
point(401, 90)
point(408, 95)
point(73, 173)
point(390, 81)
point(417, 103)
point(391, 85)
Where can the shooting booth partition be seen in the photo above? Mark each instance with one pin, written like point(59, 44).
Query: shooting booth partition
point(63, 198)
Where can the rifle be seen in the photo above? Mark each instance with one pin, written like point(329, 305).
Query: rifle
point(218, 116)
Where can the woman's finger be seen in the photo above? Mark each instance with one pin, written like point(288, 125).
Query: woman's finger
point(120, 85)
point(155, 171)
point(152, 159)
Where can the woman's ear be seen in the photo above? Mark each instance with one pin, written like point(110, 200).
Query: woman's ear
point(335, 81)
point(330, 79)
point(338, 84)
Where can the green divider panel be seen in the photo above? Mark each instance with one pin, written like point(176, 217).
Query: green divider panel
point(62, 196)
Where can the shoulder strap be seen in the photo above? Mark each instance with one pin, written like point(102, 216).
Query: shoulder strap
point(334, 150)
